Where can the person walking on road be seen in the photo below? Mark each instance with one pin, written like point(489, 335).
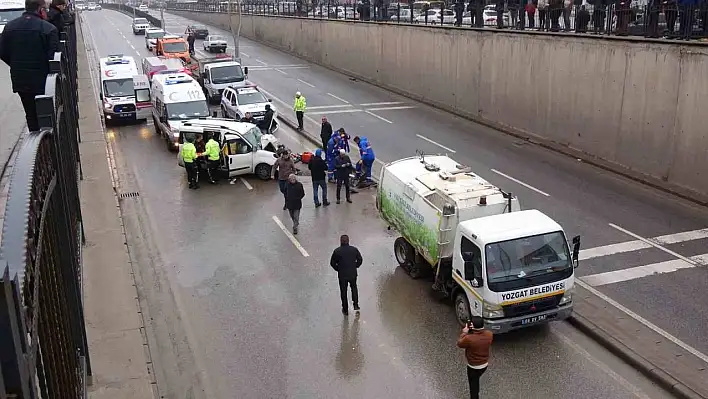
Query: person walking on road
point(325, 132)
point(345, 260)
point(318, 170)
point(343, 166)
point(294, 193)
point(26, 46)
point(189, 157)
point(300, 107)
point(285, 167)
point(476, 341)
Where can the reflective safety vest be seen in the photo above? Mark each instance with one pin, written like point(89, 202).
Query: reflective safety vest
point(212, 150)
point(189, 152)
point(300, 104)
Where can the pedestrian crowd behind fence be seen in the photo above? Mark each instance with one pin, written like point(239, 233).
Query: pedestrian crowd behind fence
point(43, 345)
point(672, 19)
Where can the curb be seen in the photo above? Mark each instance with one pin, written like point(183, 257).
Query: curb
point(309, 136)
point(648, 369)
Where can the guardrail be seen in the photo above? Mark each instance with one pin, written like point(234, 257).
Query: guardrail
point(43, 345)
point(683, 20)
point(154, 21)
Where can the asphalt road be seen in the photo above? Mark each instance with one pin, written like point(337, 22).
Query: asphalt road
point(265, 318)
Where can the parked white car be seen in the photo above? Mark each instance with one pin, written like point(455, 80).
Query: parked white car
point(405, 15)
point(434, 16)
point(143, 8)
point(214, 43)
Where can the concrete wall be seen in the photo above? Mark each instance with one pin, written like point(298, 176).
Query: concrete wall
point(635, 106)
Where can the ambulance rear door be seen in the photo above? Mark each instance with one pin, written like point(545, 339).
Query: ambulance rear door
point(143, 102)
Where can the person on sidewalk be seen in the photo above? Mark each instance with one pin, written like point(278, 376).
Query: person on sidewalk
point(300, 106)
point(58, 16)
point(345, 260)
point(294, 193)
point(284, 167)
point(189, 157)
point(318, 170)
point(476, 341)
point(26, 46)
point(325, 132)
point(343, 166)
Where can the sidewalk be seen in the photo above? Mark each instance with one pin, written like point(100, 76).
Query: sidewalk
point(12, 120)
point(119, 356)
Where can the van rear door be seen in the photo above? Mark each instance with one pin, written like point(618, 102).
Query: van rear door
point(143, 103)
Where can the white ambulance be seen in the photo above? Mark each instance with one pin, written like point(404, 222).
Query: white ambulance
point(176, 97)
point(117, 90)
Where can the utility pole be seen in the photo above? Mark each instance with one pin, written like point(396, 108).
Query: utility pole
point(237, 34)
point(162, 14)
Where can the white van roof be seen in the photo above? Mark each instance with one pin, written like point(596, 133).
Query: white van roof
point(509, 226)
point(118, 67)
point(177, 88)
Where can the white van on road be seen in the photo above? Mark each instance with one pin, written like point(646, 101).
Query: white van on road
point(117, 90)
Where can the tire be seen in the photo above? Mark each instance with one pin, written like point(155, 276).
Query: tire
point(263, 171)
point(404, 252)
point(462, 308)
point(169, 145)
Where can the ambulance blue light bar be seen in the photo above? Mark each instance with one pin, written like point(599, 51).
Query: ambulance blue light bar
point(174, 80)
point(115, 59)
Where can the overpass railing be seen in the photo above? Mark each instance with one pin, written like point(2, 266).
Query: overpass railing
point(43, 345)
point(684, 20)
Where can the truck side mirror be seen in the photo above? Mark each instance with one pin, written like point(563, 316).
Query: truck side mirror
point(245, 70)
point(576, 250)
point(270, 100)
point(100, 96)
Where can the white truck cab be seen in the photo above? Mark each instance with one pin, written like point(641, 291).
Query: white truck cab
point(244, 149)
point(9, 10)
point(513, 268)
point(218, 73)
point(117, 91)
point(176, 97)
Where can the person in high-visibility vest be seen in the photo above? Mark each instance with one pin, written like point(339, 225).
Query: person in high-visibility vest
point(212, 152)
point(300, 107)
point(189, 156)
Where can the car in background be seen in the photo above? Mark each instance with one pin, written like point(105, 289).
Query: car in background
point(434, 16)
point(215, 43)
point(200, 31)
point(151, 36)
point(140, 25)
point(143, 8)
point(404, 15)
point(91, 7)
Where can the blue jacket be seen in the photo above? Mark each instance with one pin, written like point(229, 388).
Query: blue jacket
point(332, 149)
point(365, 150)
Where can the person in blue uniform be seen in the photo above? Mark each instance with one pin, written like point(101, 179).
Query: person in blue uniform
point(332, 153)
point(366, 153)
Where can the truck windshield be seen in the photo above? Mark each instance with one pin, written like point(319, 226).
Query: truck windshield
point(187, 110)
point(527, 261)
point(227, 74)
point(174, 47)
point(8, 15)
point(253, 137)
point(118, 88)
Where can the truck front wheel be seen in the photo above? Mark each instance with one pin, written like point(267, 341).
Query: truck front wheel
point(462, 308)
point(405, 254)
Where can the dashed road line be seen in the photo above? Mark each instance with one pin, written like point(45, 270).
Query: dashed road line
point(377, 116)
point(392, 108)
point(303, 82)
point(338, 98)
point(436, 143)
point(653, 244)
point(292, 238)
point(633, 273)
point(246, 55)
point(382, 103)
point(530, 187)
point(281, 71)
point(329, 106)
point(246, 183)
point(261, 62)
point(336, 111)
point(635, 245)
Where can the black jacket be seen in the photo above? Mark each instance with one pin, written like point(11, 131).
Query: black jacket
point(343, 165)
point(60, 19)
point(326, 132)
point(345, 260)
point(26, 45)
point(318, 168)
point(267, 118)
point(294, 193)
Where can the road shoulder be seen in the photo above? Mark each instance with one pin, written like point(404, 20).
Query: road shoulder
point(119, 356)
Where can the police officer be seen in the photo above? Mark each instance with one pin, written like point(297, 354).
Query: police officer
point(189, 156)
point(26, 46)
point(299, 107)
point(212, 153)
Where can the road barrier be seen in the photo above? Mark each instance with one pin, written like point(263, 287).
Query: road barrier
point(43, 345)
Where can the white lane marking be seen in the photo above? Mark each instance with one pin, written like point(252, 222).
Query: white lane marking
point(336, 111)
point(133, 47)
point(259, 68)
point(436, 143)
point(329, 106)
point(635, 245)
point(266, 66)
point(634, 273)
point(379, 117)
point(378, 104)
point(303, 82)
point(261, 62)
point(247, 56)
point(644, 321)
point(292, 238)
point(247, 184)
point(391, 108)
point(657, 246)
point(281, 71)
point(530, 187)
point(338, 98)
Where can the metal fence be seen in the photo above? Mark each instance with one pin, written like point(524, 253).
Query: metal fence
point(43, 346)
point(687, 19)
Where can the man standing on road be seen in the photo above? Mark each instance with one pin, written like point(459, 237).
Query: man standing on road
point(476, 341)
point(26, 46)
point(300, 107)
point(345, 261)
point(284, 166)
point(325, 132)
point(189, 157)
point(318, 170)
point(294, 193)
point(213, 154)
point(343, 166)
point(191, 38)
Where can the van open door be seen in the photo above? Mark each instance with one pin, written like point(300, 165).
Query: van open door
point(143, 102)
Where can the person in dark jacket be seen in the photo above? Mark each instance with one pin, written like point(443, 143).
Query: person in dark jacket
point(318, 170)
point(555, 11)
point(26, 45)
point(266, 124)
point(325, 132)
point(476, 7)
point(345, 261)
point(57, 15)
point(459, 10)
point(191, 38)
point(499, 8)
point(294, 193)
point(343, 165)
point(582, 19)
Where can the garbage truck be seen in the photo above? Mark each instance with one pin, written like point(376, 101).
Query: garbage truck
point(512, 267)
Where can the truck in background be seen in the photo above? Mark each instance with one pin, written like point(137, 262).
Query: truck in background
point(217, 73)
point(513, 268)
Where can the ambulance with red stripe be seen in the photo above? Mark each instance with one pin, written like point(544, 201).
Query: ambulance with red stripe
point(117, 88)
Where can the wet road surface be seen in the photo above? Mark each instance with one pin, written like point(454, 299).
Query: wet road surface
point(262, 306)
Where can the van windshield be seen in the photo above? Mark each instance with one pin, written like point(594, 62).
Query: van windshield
point(253, 137)
point(174, 47)
point(226, 74)
point(118, 88)
point(526, 261)
point(187, 110)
